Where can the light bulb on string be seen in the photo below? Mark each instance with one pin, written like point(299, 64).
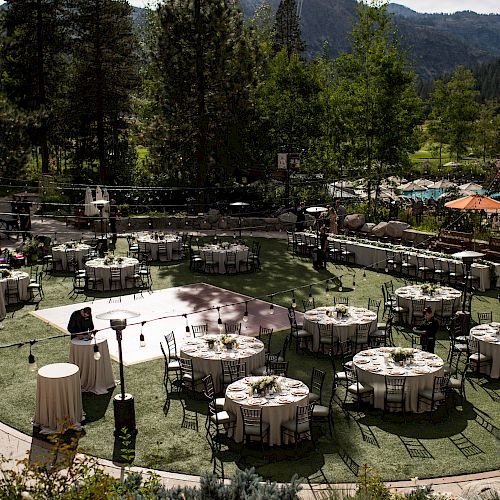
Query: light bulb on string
point(219, 320)
point(364, 274)
point(31, 360)
point(187, 324)
point(97, 354)
point(245, 314)
point(271, 307)
point(142, 340)
point(294, 302)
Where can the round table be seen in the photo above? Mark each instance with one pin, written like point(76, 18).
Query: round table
point(343, 327)
point(489, 338)
point(22, 280)
point(95, 375)
point(219, 254)
point(205, 360)
point(65, 253)
point(102, 270)
point(171, 242)
point(58, 398)
point(373, 365)
point(275, 410)
point(407, 294)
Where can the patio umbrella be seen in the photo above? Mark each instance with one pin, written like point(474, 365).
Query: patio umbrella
point(474, 202)
point(423, 182)
point(470, 186)
point(105, 196)
point(411, 186)
point(442, 184)
point(90, 209)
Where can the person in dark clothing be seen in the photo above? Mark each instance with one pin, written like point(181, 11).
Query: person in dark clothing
point(323, 245)
point(428, 330)
point(80, 322)
point(300, 212)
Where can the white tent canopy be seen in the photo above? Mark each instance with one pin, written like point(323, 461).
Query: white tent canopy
point(470, 186)
point(90, 209)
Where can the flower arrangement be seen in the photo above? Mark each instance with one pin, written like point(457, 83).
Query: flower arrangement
point(211, 342)
point(265, 384)
point(108, 261)
point(429, 288)
point(228, 341)
point(5, 273)
point(70, 244)
point(341, 309)
point(119, 260)
point(402, 354)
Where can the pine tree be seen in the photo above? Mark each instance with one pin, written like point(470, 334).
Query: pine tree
point(203, 70)
point(33, 64)
point(287, 32)
point(103, 79)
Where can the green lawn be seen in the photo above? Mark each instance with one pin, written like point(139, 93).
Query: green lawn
point(464, 442)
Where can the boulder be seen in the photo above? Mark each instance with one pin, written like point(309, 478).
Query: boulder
point(395, 228)
point(288, 217)
point(213, 216)
point(380, 228)
point(354, 221)
point(368, 227)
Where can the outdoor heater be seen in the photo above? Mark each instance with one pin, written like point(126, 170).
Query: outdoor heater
point(123, 403)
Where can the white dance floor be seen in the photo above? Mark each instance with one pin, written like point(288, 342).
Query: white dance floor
point(170, 302)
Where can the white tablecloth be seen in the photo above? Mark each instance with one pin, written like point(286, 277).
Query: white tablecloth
point(489, 338)
point(95, 376)
point(374, 256)
point(22, 284)
point(372, 366)
point(407, 294)
point(219, 254)
point(104, 271)
point(58, 398)
point(205, 360)
point(63, 253)
point(171, 242)
point(275, 411)
point(344, 328)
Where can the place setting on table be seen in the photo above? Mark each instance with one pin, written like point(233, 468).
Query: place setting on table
point(488, 335)
point(433, 294)
point(277, 396)
point(208, 351)
point(344, 320)
point(64, 252)
point(420, 368)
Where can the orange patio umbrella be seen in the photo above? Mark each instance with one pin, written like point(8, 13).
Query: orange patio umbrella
point(474, 202)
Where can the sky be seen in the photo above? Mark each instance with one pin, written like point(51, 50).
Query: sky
point(429, 6)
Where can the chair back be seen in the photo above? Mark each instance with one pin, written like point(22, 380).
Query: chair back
point(341, 300)
point(199, 330)
point(418, 306)
point(374, 305)
point(226, 368)
point(484, 317)
point(186, 366)
point(171, 344)
point(303, 415)
point(309, 303)
point(446, 308)
point(232, 328)
point(230, 258)
point(208, 386)
point(265, 335)
point(317, 380)
point(389, 287)
point(279, 368)
point(237, 371)
point(325, 330)
point(472, 345)
point(394, 386)
point(440, 386)
point(362, 333)
point(252, 417)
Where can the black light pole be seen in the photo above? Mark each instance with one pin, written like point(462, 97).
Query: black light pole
point(123, 403)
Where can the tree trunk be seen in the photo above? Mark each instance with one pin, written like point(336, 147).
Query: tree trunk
point(99, 97)
point(41, 87)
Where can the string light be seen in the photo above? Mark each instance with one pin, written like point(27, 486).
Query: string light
point(187, 324)
point(219, 320)
point(294, 302)
point(364, 274)
point(31, 359)
point(271, 307)
point(97, 354)
point(142, 340)
point(245, 314)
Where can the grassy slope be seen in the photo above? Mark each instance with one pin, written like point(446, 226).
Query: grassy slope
point(397, 450)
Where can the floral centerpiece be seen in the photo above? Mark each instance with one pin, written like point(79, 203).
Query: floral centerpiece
point(341, 310)
point(429, 288)
point(5, 273)
point(228, 341)
point(210, 342)
point(70, 244)
point(119, 260)
point(402, 355)
point(109, 260)
point(265, 384)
